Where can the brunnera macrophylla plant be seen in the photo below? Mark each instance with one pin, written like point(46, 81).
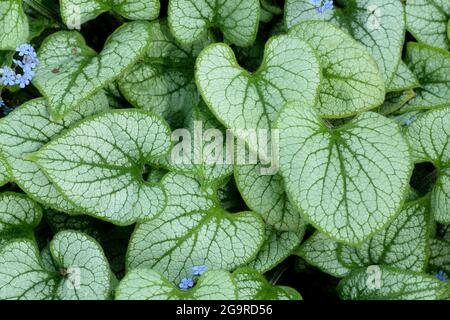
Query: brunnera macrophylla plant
point(236, 149)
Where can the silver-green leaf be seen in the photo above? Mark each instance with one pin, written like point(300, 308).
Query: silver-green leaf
point(351, 81)
point(402, 245)
point(163, 81)
point(13, 24)
point(194, 230)
point(81, 270)
point(265, 195)
point(25, 131)
point(189, 20)
point(98, 163)
point(385, 283)
point(432, 68)
point(290, 71)
point(19, 215)
point(348, 181)
point(427, 20)
point(378, 24)
point(147, 284)
point(278, 246)
point(69, 71)
point(322, 252)
point(77, 12)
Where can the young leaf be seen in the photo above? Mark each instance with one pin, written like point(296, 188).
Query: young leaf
point(194, 230)
point(278, 246)
point(265, 194)
point(348, 181)
point(19, 215)
point(69, 71)
point(322, 252)
point(378, 24)
point(13, 23)
point(289, 71)
point(404, 79)
point(439, 255)
point(25, 131)
point(393, 284)
point(80, 11)
point(238, 20)
point(163, 82)
point(5, 176)
point(427, 20)
point(98, 163)
point(432, 68)
point(402, 245)
point(147, 284)
point(351, 80)
point(82, 270)
point(428, 137)
point(251, 285)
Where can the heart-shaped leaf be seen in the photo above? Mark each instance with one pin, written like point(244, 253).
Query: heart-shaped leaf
point(163, 81)
point(403, 244)
point(194, 230)
point(351, 80)
point(13, 24)
point(348, 181)
point(428, 137)
point(81, 270)
point(242, 100)
point(378, 24)
point(432, 68)
point(251, 285)
point(75, 12)
point(69, 71)
point(385, 283)
point(147, 284)
point(98, 164)
point(25, 131)
point(19, 215)
point(322, 252)
point(238, 19)
point(427, 20)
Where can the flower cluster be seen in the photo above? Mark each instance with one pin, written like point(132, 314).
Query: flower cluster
point(322, 6)
point(27, 62)
point(187, 283)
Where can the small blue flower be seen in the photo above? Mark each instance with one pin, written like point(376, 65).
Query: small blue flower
point(8, 76)
point(327, 6)
point(199, 270)
point(22, 80)
point(30, 61)
point(441, 276)
point(26, 49)
point(186, 283)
